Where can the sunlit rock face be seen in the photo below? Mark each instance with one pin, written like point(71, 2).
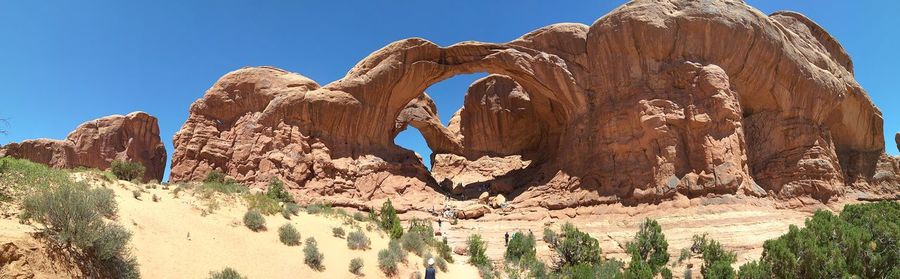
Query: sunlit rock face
point(96, 143)
point(654, 100)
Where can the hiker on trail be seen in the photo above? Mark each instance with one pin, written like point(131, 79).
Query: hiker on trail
point(506, 238)
point(439, 223)
point(429, 271)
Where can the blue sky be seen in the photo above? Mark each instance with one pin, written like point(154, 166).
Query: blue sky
point(66, 62)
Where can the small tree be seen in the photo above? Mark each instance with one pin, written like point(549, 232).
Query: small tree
point(389, 220)
point(716, 260)
point(577, 247)
point(227, 273)
point(520, 247)
point(477, 249)
point(649, 246)
point(387, 262)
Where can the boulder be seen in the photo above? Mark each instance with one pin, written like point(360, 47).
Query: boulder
point(497, 201)
point(473, 211)
point(96, 143)
point(461, 249)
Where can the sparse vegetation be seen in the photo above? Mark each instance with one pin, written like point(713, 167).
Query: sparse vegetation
point(716, 260)
point(360, 217)
point(444, 250)
point(356, 265)
point(293, 208)
point(413, 242)
point(357, 240)
point(311, 255)
point(439, 262)
point(155, 198)
point(136, 194)
point(338, 232)
point(215, 176)
point(319, 208)
point(276, 192)
point(550, 237)
point(389, 221)
point(576, 247)
point(127, 170)
point(289, 235)
point(72, 216)
point(387, 262)
point(254, 220)
point(477, 247)
point(227, 273)
point(262, 203)
point(520, 247)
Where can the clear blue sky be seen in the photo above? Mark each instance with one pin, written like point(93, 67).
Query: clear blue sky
point(66, 62)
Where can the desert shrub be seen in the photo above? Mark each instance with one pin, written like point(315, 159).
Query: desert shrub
point(136, 194)
point(863, 241)
point(389, 221)
point(487, 271)
point(289, 235)
point(227, 273)
point(127, 170)
point(520, 247)
point(688, 274)
point(665, 273)
point(254, 220)
point(311, 255)
point(155, 198)
point(753, 270)
point(550, 237)
point(215, 176)
point(262, 203)
point(356, 265)
point(414, 242)
point(649, 246)
point(71, 215)
point(22, 174)
point(293, 208)
point(286, 213)
point(477, 247)
point(611, 269)
point(423, 228)
point(208, 189)
point(439, 262)
point(387, 262)
point(576, 247)
point(319, 208)
point(444, 250)
point(716, 260)
point(395, 249)
point(359, 216)
point(276, 192)
point(338, 232)
point(357, 240)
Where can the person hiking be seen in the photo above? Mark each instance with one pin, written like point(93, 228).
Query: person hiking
point(506, 239)
point(429, 271)
point(439, 223)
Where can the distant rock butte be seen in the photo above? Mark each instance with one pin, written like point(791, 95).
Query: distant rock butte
point(96, 143)
point(654, 100)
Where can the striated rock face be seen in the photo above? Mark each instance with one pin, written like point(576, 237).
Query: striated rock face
point(655, 99)
point(96, 143)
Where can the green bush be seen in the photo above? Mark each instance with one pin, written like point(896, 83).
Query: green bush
point(360, 217)
point(444, 250)
point(293, 208)
point(577, 247)
point(753, 270)
point(254, 220)
point(289, 235)
point(276, 192)
point(136, 194)
point(71, 215)
point(863, 241)
point(477, 247)
point(605, 269)
point(227, 273)
point(423, 228)
point(439, 262)
point(550, 237)
point(649, 246)
point(413, 242)
point(356, 265)
point(215, 176)
point(262, 203)
point(716, 260)
point(357, 240)
point(286, 213)
point(127, 170)
point(389, 221)
point(520, 247)
point(338, 232)
point(396, 250)
point(387, 262)
point(311, 255)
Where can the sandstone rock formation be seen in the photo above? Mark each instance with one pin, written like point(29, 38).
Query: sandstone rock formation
point(654, 100)
point(96, 143)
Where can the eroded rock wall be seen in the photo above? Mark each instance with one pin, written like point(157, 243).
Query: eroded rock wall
point(96, 143)
point(655, 99)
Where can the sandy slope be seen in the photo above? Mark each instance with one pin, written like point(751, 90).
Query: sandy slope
point(173, 240)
